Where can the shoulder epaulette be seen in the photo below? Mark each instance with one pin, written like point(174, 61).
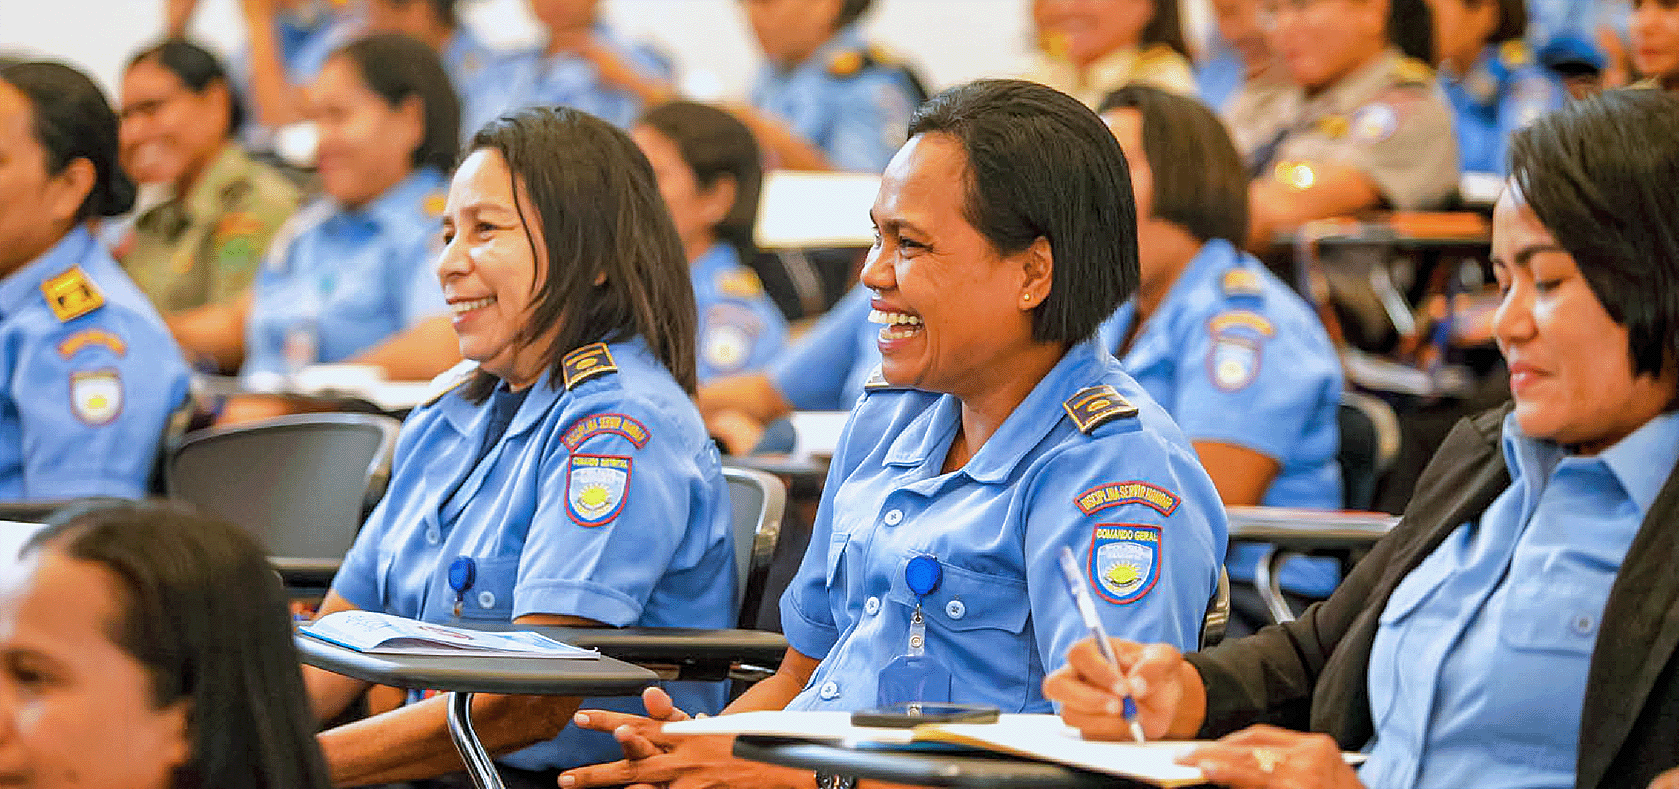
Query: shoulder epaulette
point(587, 362)
point(1241, 282)
point(448, 381)
point(71, 294)
point(435, 203)
point(1514, 54)
point(741, 283)
point(1410, 71)
point(1155, 52)
point(1093, 406)
point(847, 63)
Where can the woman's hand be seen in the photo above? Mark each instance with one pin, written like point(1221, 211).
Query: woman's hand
point(1273, 758)
point(1171, 701)
point(653, 759)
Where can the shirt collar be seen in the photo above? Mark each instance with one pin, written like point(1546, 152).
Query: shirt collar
point(719, 258)
point(23, 286)
point(1214, 256)
point(1641, 462)
point(1026, 427)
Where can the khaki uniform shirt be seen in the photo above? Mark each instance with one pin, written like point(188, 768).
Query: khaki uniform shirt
point(205, 249)
point(1388, 120)
point(1158, 65)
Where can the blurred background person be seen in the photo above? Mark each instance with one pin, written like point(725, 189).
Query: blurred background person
point(1236, 53)
point(1490, 76)
point(469, 61)
point(1655, 43)
point(1095, 46)
point(577, 478)
point(203, 243)
point(825, 98)
point(349, 278)
point(91, 376)
point(581, 63)
point(1230, 351)
point(1360, 124)
point(150, 647)
point(710, 173)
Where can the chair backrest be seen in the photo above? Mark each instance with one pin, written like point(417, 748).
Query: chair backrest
point(1369, 444)
point(757, 501)
point(1217, 618)
point(299, 483)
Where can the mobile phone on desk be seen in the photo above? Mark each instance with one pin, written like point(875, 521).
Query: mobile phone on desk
point(908, 714)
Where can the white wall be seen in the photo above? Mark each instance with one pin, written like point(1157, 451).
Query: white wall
point(951, 40)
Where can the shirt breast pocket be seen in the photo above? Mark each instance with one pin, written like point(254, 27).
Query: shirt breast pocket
point(976, 625)
point(489, 600)
point(1545, 614)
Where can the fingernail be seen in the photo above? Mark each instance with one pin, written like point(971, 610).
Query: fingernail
point(1113, 706)
point(1139, 687)
point(567, 781)
point(581, 718)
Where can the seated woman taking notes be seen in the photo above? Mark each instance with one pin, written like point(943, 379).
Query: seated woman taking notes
point(1517, 628)
point(994, 434)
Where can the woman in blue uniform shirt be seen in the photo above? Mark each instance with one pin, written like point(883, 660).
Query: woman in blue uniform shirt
point(1236, 357)
point(1004, 239)
point(568, 466)
point(349, 277)
point(1490, 77)
point(709, 174)
point(1517, 627)
point(89, 376)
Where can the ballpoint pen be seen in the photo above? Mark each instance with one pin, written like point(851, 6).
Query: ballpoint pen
point(1087, 611)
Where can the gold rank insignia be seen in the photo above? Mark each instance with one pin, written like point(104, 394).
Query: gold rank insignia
point(740, 283)
point(436, 202)
point(587, 362)
point(845, 64)
point(1333, 126)
point(1413, 71)
point(1241, 282)
point(1513, 53)
point(71, 295)
point(1093, 406)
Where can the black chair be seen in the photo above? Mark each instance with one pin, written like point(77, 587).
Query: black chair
point(1369, 445)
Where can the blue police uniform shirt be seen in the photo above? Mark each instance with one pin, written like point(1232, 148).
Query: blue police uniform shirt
point(826, 369)
point(1503, 92)
point(842, 100)
point(740, 328)
point(532, 77)
point(605, 500)
point(360, 275)
point(92, 377)
point(1129, 498)
point(1220, 74)
point(1236, 357)
point(473, 68)
point(1517, 596)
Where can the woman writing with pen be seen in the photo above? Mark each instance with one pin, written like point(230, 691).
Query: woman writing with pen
point(1518, 627)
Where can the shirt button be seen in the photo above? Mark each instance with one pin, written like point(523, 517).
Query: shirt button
point(894, 517)
point(1582, 624)
point(828, 691)
point(486, 599)
point(434, 536)
point(955, 610)
point(871, 606)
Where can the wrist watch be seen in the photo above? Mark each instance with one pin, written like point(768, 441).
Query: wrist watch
point(835, 781)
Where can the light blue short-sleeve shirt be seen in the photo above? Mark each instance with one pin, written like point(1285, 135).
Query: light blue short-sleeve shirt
point(843, 100)
point(741, 329)
point(826, 368)
point(532, 77)
point(1128, 497)
point(1503, 92)
point(360, 276)
point(605, 500)
point(89, 377)
point(1236, 357)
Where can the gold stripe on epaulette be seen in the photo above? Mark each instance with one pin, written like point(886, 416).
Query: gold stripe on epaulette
point(587, 362)
point(71, 295)
point(1093, 406)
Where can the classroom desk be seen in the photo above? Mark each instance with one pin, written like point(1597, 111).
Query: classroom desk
point(977, 769)
point(464, 676)
point(1344, 535)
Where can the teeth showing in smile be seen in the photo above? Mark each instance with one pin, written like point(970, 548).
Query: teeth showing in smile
point(468, 306)
point(893, 318)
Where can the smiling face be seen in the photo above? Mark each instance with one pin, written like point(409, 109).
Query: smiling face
point(956, 312)
point(1655, 37)
point(1570, 367)
point(36, 208)
point(788, 31)
point(169, 133)
point(366, 145)
point(488, 271)
point(75, 709)
point(1320, 41)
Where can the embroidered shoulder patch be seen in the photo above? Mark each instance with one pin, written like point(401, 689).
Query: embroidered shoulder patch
point(587, 362)
point(1093, 406)
point(96, 396)
point(1241, 319)
point(71, 295)
point(92, 338)
point(595, 487)
point(1113, 494)
point(1233, 361)
point(598, 424)
point(1124, 561)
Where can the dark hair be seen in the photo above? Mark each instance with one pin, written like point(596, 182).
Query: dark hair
point(1042, 165)
point(201, 609)
point(1410, 28)
point(396, 67)
point(1512, 20)
point(73, 120)
point(714, 144)
point(851, 11)
point(1599, 175)
point(444, 10)
point(1165, 28)
point(1199, 179)
point(601, 215)
point(197, 69)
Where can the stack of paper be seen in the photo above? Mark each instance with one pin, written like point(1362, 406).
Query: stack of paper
point(383, 634)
